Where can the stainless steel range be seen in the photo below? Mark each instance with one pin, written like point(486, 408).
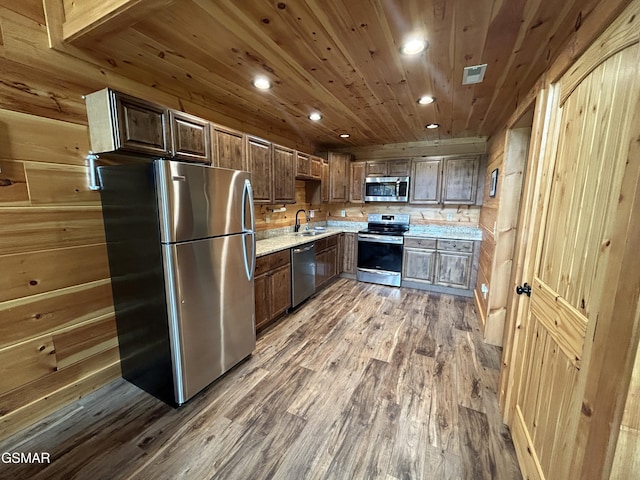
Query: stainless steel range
point(380, 249)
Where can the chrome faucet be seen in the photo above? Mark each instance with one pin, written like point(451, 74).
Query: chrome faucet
point(297, 226)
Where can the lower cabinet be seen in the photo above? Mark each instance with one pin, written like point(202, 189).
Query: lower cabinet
point(350, 253)
point(326, 260)
point(272, 287)
point(430, 262)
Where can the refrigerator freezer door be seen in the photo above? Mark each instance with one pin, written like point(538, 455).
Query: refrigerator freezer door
point(198, 201)
point(211, 310)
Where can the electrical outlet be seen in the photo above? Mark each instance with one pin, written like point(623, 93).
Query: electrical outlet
point(449, 217)
point(343, 213)
point(267, 219)
point(484, 289)
point(312, 213)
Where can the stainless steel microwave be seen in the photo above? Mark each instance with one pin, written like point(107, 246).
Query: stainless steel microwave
point(386, 189)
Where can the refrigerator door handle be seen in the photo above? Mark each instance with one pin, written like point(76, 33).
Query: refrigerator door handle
point(247, 194)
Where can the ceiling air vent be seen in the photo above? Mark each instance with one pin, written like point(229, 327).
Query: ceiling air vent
point(473, 74)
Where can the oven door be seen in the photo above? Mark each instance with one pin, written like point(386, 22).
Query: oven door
point(379, 259)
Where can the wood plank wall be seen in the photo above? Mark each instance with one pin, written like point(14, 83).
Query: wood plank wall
point(57, 330)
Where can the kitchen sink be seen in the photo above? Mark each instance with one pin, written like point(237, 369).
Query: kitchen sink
point(307, 233)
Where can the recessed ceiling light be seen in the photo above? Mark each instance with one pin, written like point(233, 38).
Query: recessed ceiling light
point(262, 83)
point(431, 126)
point(413, 46)
point(426, 100)
point(315, 116)
point(344, 135)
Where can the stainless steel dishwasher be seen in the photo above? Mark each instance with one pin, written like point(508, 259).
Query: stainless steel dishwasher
point(303, 273)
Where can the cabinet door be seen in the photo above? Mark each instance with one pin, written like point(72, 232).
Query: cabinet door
point(229, 148)
point(324, 182)
point(350, 259)
point(460, 180)
point(321, 269)
point(338, 177)
point(418, 265)
point(398, 168)
point(260, 165)
point(190, 137)
point(453, 269)
point(142, 126)
point(316, 168)
point(284, 168)
point(332, 263)
point(426, 176)
point(280, 283)
point(376, 169)
point(303, 165)
point(261, 287)
point(356, 190)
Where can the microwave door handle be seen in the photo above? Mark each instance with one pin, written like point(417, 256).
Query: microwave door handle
point(398, 188)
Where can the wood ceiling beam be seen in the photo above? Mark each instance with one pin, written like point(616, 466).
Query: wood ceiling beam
point(86, 19)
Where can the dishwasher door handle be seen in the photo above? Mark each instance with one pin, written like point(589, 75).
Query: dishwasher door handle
point(302, 250)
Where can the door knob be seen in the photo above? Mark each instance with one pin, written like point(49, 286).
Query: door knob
point(526, 288)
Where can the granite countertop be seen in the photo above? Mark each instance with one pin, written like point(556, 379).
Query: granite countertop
point(290, 239)
point(457, 232)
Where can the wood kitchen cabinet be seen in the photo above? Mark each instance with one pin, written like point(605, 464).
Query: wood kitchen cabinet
point(326, 260)
point(284, 168)
point(388, 168)
point(316, 167)
point(419, 260)
point(460, 180)
point(350, 253)
point(259, 161)
point(356, 189)
point(190, 138)
point(272, 287)
point(303, 166)
point(121, 122)
point(430, 262)
point(324, 181)
point(426, 178)
point(338, 177)
point(229, 148)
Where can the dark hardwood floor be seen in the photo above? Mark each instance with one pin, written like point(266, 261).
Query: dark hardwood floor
point(363, 381)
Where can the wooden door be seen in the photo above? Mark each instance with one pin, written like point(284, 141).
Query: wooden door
point(259, 153)
point(142, 126)
point(350, 258)
point(338, 177)
point(190, 138)
point(284, 183)
point(397, 168)
point(377, 169)
point(229, 148)
point(572, 360)
point(324, 182)
point(280, 289)
point(303, 165)
point(357, 182)
point(460, 180)
point(426, 175)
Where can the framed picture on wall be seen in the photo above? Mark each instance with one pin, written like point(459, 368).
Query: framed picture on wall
point(494, 183)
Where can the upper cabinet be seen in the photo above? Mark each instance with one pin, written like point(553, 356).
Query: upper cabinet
point(284, 169)
point(338, 177)
point(460, 180)
point(448, 180)
point(303, 165)
point(356, 191)
point(426, 175)
point(229, 148)
point(190, 137)
point(388, 168)
point(259, 155)
point(121, 122)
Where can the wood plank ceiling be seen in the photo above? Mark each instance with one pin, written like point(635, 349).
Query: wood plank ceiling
point(341, 58)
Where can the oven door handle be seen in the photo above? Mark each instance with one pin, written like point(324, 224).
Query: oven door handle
point(367, 237)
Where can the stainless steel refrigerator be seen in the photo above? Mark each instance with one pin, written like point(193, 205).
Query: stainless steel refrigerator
point(181, 246)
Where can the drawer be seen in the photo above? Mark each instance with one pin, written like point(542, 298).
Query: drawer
point(420, 242)
point(332, 241)
point(272, 261)
point(456, 245)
